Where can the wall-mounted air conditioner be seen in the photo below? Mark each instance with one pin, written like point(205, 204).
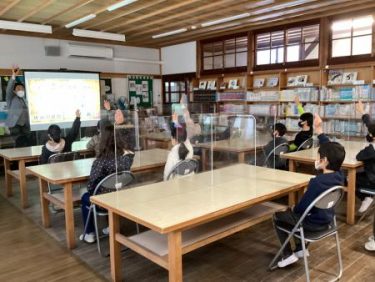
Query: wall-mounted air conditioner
point(90, 51)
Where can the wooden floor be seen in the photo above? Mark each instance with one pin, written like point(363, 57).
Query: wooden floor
point(241, 257)
point(28, 253)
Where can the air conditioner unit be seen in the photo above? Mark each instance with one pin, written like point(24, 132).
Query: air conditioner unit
point(90, 51)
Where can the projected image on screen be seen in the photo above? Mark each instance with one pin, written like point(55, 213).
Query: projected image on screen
point(53, 98)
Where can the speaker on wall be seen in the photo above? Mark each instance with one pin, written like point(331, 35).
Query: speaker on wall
point(52, 51)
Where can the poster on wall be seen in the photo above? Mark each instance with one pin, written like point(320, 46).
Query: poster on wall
point(140, 91)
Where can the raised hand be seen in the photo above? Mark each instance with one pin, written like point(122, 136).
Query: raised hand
point(119, 117)
point(107, 105)
point(360, 108)
point(78, 113)
point(296, 100)
point(15, 70)
point(318, 124)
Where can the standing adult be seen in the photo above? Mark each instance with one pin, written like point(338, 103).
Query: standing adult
point(18, 116)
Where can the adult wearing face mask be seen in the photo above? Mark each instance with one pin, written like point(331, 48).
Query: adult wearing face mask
point(18, 116)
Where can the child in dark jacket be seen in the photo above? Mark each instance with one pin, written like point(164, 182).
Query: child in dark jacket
point(279, 131)
point(105, 164)
point(366, 179)
point(306, 125)
point(329, 160)
point(56, 143)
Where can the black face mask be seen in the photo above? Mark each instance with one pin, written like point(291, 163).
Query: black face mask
point(301, 123)
point(369, 138)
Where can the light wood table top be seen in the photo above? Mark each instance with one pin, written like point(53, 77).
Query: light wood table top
point(351, 148)
point(180, 203)
point(15, 154)
point(79, 170)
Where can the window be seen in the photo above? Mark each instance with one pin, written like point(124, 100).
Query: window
point(290, 45)
point(173, 91)
point(226, 54)
point(352, 37)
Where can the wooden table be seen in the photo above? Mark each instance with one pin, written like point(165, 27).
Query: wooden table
point(22, 156)
point(163, 138)
point(350, 164)
point(239, 146)
point(69, 173)
point(172, 209)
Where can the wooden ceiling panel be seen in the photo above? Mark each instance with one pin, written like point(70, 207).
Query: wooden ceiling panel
point(142, 19)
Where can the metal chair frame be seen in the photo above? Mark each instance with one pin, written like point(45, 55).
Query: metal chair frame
point(277, 151)
point(175, 171)
point(369, 192)
point(307, 144)
point(326, 200)
point(112, 178)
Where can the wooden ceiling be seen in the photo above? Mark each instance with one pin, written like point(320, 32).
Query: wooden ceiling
point(142, 19)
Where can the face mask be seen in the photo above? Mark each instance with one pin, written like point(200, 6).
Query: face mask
point(369, 138)
point(317, 165)
point(301, 123)
point(20, 93)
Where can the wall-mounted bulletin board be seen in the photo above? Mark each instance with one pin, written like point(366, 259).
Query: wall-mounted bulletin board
point(140, 90)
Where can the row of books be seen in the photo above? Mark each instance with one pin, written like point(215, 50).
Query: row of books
point(360, 92)
point(304, 94)
point(344, 127)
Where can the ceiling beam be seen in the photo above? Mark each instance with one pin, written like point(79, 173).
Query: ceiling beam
point(70, 9)
point(364, 4)
point(120, 15)
point(199, 19)
point(158, 12)
point(36, 10)
point(10, 6)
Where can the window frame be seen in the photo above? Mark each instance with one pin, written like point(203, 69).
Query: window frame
point(284, 29)
point(185, 77)
point(352, 58)
point(222, 41)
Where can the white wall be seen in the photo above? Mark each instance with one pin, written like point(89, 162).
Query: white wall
point(179, 58)
point(29, 53)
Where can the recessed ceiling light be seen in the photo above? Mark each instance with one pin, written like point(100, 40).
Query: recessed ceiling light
point(25, 27)
point(120, 4)
point(81, 20)
point(169, 33)
point(224, 20)
point(193, 27)
point(98, 34)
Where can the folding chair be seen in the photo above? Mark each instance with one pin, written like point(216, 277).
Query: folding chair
point(307, 144)
point(182, 168)
point(112, 183)
point(270, 160)
point(369, 192)
point(326, 200)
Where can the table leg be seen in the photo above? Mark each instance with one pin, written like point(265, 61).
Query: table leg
point(204, 159)
point(175, 257)
point(43, 188)
point(23, 188)
point(114, 246)
point(69, 216)
point(241, 157)
point(292, 197)
point(350, 208)
point(8, 179)
point(145, 140)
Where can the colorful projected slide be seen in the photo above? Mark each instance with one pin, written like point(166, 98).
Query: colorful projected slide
point(53, 98)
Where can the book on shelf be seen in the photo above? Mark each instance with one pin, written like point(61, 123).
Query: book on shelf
point(233, 108)
point(262, 96)
point(291, 110)
point(227, 96)
point(304, 94)
point(344, 127)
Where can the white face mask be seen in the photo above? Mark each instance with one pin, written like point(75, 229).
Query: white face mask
point(317, 164)
point(20, 93)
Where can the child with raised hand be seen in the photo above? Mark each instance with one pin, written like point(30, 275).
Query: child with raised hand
point(56, 143)
point(329, 159)
point(366, 179)
point(306, 125)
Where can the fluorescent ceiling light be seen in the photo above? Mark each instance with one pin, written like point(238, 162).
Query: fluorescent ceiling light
point(98, 34)
point(119, 5)
point(169, 33)
point(25, 26)
point(224, 20)
point(81, 20)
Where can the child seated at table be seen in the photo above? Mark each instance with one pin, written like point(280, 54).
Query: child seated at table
point(366, 178)
point(305, 123)
point(181, 150)
point(329, 160)
point(104, 165)
point(279, 131)
point(56, 143)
